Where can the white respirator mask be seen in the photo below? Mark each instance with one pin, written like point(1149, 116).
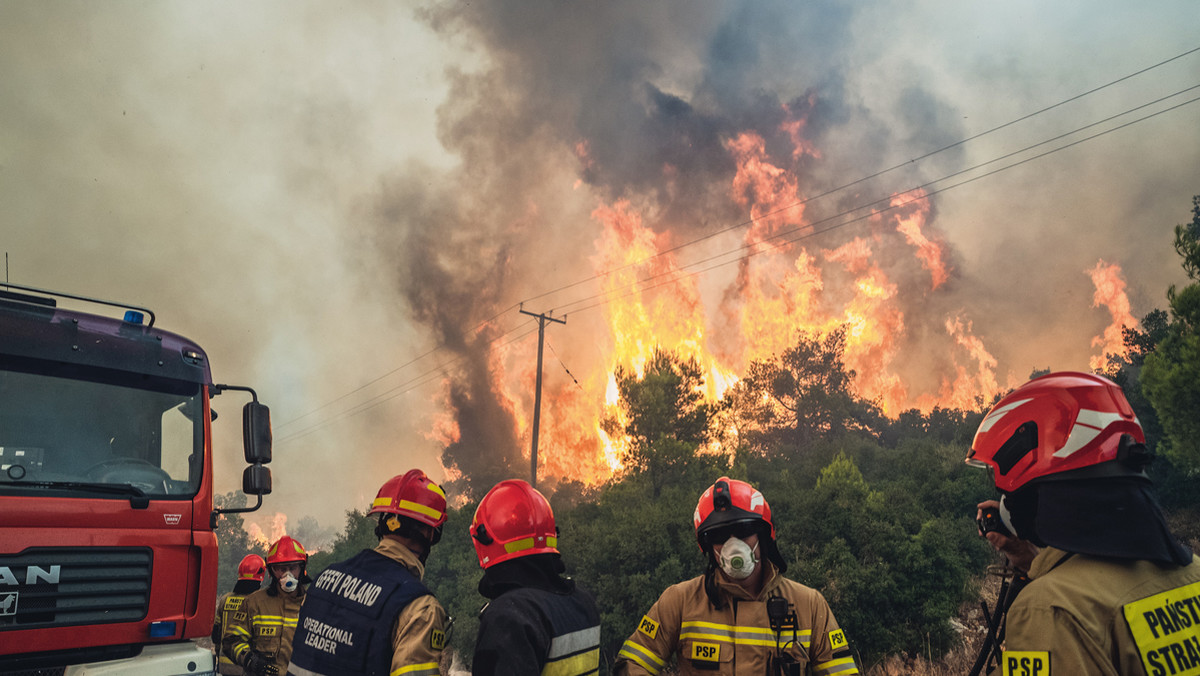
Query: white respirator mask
point(737, 559)
point(288, 583)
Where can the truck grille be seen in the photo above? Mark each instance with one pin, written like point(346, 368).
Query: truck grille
point(64, 586)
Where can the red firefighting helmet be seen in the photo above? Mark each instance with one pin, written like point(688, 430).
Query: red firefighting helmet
point(1054, 424)
point(286, 550)
point(513, 520)
point(412, 495)
point(252, 567)
point(729, 502)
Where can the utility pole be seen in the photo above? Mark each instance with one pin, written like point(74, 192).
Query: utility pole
point(537, 397)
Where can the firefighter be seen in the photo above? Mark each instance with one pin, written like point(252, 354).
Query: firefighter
point(371, 614)
point(250, 575)
point(537, 621)
point(1111, 590)
point(260, 637)
point(741, 616)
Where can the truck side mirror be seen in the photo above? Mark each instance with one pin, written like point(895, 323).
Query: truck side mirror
point(256, 480)
point(256, 434)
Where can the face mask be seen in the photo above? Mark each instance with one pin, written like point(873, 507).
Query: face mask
point(288, 583)
point(737, 559)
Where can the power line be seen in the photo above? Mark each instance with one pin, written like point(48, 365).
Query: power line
point(877, 174)
point(754, 248)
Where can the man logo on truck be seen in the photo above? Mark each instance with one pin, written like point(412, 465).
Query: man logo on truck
point(33, 575)
point(8, 604)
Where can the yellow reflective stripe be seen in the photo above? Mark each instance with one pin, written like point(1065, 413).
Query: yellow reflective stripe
point(240, 631)
point(528, 543)
point(423, 669)
point(575, 665)
point(381, 502)
point(420, 509)
point(635, 652)
point(843, 665)
point(436, 489)
point(274, 620)
point(739, 635)
point(574, 642)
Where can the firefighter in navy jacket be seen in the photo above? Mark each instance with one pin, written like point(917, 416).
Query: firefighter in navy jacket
point(371, 614)
point(538, 621)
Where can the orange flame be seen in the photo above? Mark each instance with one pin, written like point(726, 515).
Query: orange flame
point(778, 290)
point(931, 254)
point(277, 528)
point(771, 192)
point(1110, 292)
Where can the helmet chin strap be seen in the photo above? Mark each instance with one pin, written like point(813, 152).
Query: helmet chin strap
point(1006, 517)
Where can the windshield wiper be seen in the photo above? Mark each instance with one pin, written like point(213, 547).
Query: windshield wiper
point(137, 497)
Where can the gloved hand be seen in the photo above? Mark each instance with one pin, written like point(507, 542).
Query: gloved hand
point(259, 664)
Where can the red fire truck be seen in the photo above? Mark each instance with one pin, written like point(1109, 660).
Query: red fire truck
point(108, 551)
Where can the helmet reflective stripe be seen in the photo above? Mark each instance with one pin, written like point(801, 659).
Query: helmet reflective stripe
point(412, 495)
point(513, 520)
point(528, 543)
point(1088, 425)
point(421, 509)
point(995, 416)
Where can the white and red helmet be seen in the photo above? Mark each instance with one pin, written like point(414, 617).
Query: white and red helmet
point(731, 507)
point(513, 520)
point(730, 503)
point(1053, 424)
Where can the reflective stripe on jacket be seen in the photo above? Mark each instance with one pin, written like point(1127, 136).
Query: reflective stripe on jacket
point(227, 605)
point(529, 631)
point(736, 639)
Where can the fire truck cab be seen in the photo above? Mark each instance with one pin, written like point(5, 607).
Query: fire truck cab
point(108, 551)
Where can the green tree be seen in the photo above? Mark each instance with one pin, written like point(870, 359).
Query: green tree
point(1171, 375)
point(667, 417)
point(629, 546)
point(359, 534)
point(802, 396)
point(878, 552)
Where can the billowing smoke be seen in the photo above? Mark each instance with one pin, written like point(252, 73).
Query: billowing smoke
point(639, 104)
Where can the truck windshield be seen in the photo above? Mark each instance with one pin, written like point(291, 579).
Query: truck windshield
point(63, 427)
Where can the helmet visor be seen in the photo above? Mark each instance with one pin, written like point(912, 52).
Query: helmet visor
point(720, 534)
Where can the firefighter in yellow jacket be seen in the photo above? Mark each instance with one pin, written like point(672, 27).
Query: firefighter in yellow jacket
point(251, 572)
point(742, 616)
point(1111, 590)
point(260, 637)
